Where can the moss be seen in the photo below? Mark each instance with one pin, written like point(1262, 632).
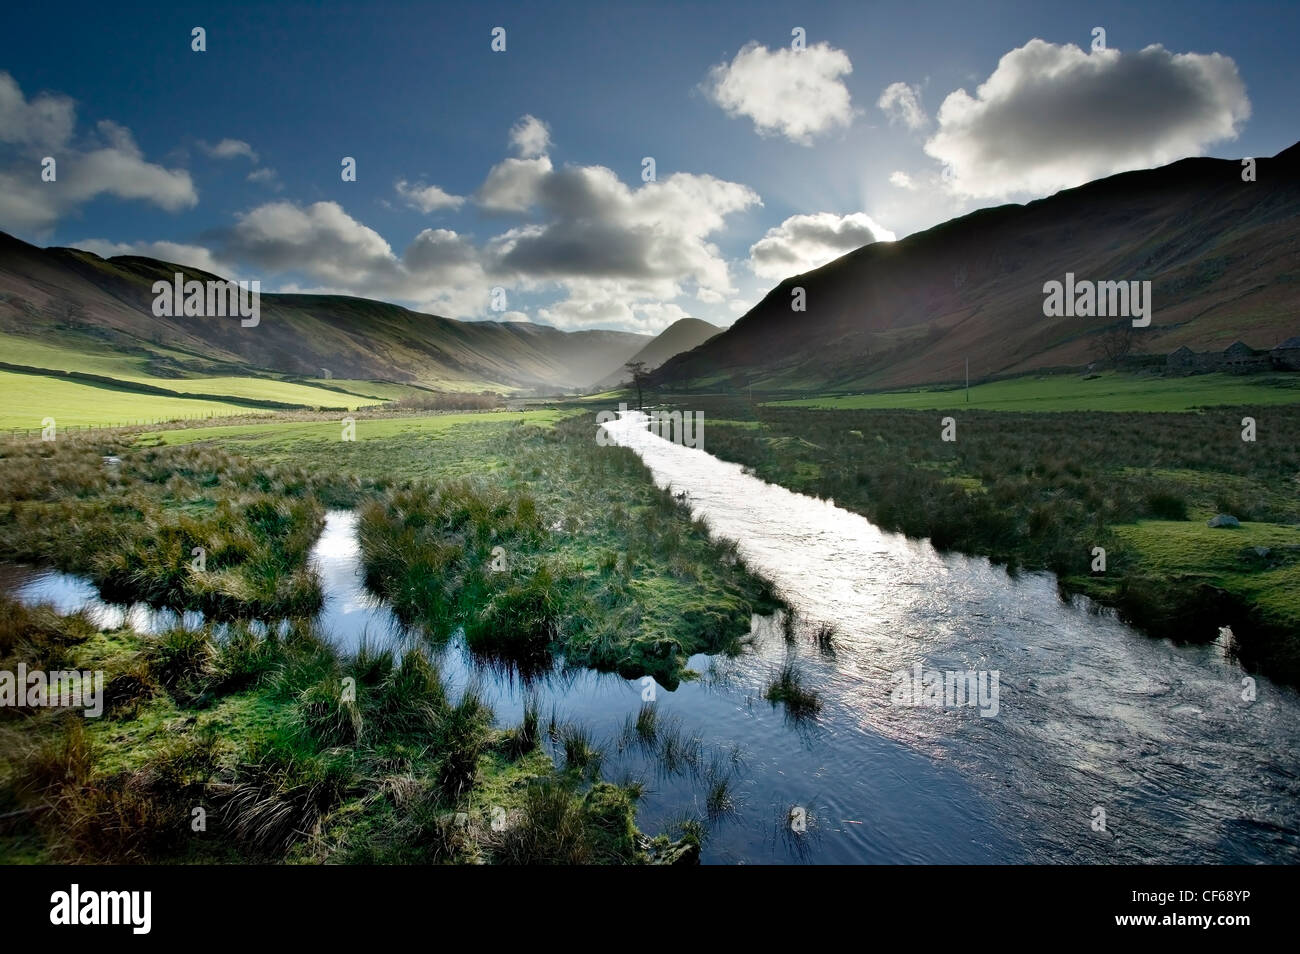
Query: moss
point(612, 814)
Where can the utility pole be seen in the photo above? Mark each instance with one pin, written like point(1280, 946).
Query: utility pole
point(968, 380)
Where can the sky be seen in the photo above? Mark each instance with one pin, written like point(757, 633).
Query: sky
point(514, 184)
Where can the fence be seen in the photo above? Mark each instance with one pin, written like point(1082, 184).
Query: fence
point(16, 432)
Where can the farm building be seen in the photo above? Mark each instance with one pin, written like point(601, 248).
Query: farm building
point(1237, 358)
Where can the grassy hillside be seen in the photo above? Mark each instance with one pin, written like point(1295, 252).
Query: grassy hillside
point(1221, 256)
point(682, 335)
point(103, 307)
point(30, 398)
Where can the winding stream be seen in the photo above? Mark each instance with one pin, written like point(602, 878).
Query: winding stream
point(1090, 714)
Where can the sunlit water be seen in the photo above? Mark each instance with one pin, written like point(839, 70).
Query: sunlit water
point(1091, 715)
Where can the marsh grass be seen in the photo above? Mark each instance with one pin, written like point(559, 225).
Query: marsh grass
point(825, 637)
point(789, 689)
point(525, 737)
point(581, 754)
point(137, 534)
point(627, 582)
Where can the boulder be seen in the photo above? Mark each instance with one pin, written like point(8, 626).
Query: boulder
point(1223, 520)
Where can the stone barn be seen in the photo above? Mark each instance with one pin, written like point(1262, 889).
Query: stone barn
point(1241, 358)
point(1286, 356)
point(1184, 360)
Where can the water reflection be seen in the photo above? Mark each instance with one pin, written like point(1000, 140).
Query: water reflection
point(1091, 714)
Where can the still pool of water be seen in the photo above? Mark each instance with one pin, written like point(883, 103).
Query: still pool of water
point(1091, 715)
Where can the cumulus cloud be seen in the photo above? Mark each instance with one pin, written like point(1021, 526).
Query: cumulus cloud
point(804, 242)
point(46, 121)
point(320, 240)
point(108, 162)
point(530, 137)
point(512, 185)
point(901, 179)
point(651, 241)
point(797, 94)
point(229, 149)
point(428, 198)
point(440, 271)
point(598, 252)
point(902, 104)
point(1052, 117)
point(617, 255)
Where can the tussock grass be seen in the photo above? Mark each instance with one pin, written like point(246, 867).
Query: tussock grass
point(789, 689)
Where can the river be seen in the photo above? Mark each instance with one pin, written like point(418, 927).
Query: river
point(1104, 745)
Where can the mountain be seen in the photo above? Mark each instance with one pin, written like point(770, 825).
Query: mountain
point(1222, 256)
point(78, 298)
point(682, 335)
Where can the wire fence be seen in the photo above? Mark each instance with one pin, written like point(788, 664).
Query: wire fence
point(19, 432)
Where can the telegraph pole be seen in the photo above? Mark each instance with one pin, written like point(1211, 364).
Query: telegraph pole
point(968, 380)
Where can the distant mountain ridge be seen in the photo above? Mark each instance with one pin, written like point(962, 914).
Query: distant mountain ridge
point(69, 292)
point(1223, 256)
point(682, 335)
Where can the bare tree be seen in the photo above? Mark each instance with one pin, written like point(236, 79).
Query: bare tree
point(1115, 342)
point(639, 375)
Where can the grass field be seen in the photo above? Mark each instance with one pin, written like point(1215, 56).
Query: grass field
point(28, 398)
point(1226, 559)
point(1069, 392)
point(383, 390)
point(132, 369)
point(283, 435)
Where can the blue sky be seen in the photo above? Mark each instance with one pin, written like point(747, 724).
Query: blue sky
point(768, 160)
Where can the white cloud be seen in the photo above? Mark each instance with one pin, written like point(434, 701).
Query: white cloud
point(267, 177)
point(804, 242)
point(902, 104)
point(798, 94)
point(428, 198)
point(598, 227)
point(1052, 117)
point(229, 149)
point(320, 240)
point(512, 184)
point(46, 121)
point(530, 137)
point(439, 272)
point(616, 255)
point(598, 252)
point(901, 179)
point(108, 163)
point(661, 313)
